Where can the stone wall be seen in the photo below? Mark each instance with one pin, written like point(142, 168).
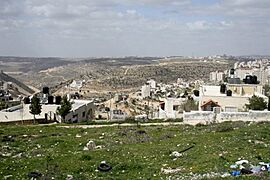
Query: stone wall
point(206, 117)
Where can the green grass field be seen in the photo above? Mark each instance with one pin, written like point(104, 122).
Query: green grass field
point(56, 151)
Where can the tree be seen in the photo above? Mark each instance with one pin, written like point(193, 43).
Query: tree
point(3, 105)
point(266, 90)
point(107, 109)
point(35, 106)
point(65, 107)
point(256, 103)
point(189, 105)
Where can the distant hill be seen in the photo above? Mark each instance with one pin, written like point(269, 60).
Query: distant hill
point(22, 88)
point(31, 64)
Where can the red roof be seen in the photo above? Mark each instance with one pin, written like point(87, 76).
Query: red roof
point(208, 102)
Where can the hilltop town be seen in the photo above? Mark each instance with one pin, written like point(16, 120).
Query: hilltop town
point(117, 111)
point(194, 89)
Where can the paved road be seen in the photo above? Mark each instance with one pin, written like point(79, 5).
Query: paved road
point(125, 125)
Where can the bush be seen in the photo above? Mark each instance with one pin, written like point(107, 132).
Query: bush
point(256, 103)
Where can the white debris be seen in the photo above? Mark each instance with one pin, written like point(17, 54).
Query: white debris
point(17, 155)
point(90, 145)
point(78, 136)
point(8, 176)
point(6, 155)
point(175, 154)
point(69, 177)
point(170, 170)
point(241, 162)
point(99, 147)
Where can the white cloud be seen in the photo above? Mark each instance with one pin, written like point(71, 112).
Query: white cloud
point(123, 27)
point(205, 25)
point(198, 25)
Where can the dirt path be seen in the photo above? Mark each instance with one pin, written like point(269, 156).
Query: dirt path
point(125, 125)
point(126, 71)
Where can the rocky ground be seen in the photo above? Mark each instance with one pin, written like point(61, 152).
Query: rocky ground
point(133, 152)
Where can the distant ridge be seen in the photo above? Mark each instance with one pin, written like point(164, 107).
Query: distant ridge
point(21, 86)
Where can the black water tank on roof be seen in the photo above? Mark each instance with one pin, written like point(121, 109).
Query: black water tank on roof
point(229, 93)
point(58, 99)
point(26, 100)
point(45, 90)
point(248, 79)
point(232, 72)
point(222, 88)
point(196, 93)
point(50, 99)
point(254, 80)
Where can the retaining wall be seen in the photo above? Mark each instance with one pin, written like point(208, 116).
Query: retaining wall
point(205, 117)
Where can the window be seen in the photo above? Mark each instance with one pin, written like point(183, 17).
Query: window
point(83, 114)
point(175, 108)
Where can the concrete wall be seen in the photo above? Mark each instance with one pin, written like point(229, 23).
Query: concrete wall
point(196, 117)
point(83, 112)
point(81, 107)
point(24, 114)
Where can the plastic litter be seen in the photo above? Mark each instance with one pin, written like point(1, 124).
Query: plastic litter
point(187, 149)
point(34, 174)
point(243, 167)
point(69, 177)
point(104, 167)
point(256, 169)
point(241, 162)
point(246, 171)
point(235, 173)
point(264, 166)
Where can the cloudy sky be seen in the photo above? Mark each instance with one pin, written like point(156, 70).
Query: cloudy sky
point(87, 28)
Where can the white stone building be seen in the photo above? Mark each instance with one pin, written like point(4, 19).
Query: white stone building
point(217, 76)
point(170, 108)
point(146, 91)
point(81, 110)
point(152, 83)
point(76, 84)
point(211, 97)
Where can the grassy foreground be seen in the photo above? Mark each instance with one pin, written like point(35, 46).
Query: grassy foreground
point(56, 151)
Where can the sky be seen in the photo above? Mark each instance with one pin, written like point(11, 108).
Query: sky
point(99, 28)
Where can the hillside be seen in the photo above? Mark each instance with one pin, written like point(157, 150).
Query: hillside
point(100, 78)
point(22, 88)
point(107, 74)
point(138, 152)
point(30, 64)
